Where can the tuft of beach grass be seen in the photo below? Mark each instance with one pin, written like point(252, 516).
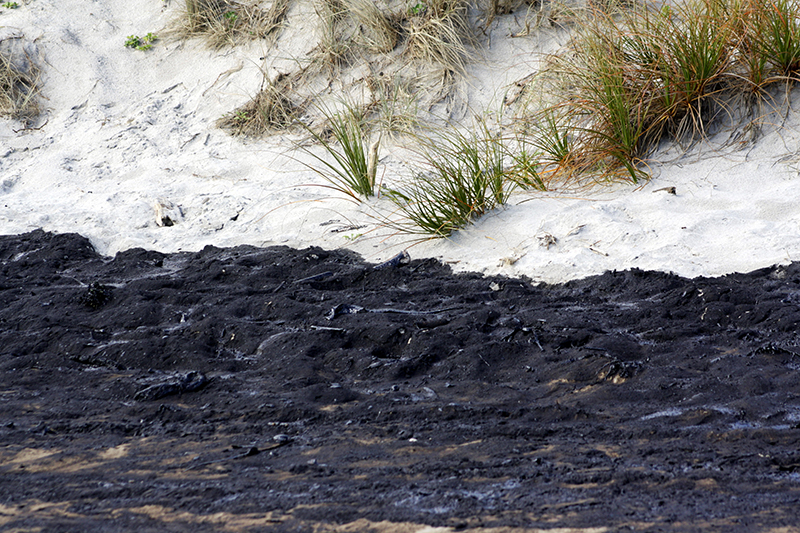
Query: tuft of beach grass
point(642, 74)
point(20, 82)
point(227, 22)
point(349, 162)
point(270, 110)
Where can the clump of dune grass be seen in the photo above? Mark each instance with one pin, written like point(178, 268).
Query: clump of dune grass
point(643, 75)
point(527, 169)
point(439, 33)
point(466, 178)
point(638, 75)
point(770, 41)
point(270, 110)
point(227, 22)
point(335, 37)
point(492, 8)
point(395, 104)
point(19, 87)
point(376, 32)
point(349, 163)
point(349, 29)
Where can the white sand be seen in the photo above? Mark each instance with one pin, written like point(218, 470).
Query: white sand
point(125, 128)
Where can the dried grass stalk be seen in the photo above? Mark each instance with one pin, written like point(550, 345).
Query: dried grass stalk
point(335, 45)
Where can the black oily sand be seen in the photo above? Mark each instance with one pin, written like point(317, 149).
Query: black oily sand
point(273, 389)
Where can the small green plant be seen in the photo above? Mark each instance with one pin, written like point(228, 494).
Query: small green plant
point(141, 43)
point(418, 8)
point(11, 5)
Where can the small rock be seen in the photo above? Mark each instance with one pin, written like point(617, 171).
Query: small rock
point(282, 438)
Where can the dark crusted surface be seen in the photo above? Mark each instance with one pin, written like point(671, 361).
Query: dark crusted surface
point(209, 391)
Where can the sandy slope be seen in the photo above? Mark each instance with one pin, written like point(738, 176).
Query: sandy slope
point(124, 128)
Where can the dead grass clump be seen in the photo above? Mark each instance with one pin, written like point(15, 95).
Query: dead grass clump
point(347, 30)
point(269, 111)
point(19, 86)
point(227, 22)
point(335, 36)
point(427, 44)
point(439, 33)
point(376, 31)
point(395, 104)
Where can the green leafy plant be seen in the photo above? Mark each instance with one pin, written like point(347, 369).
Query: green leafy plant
point(141, 43)
point(240, 117)
point(230, 16)
point(417, 9)
point(11, 5)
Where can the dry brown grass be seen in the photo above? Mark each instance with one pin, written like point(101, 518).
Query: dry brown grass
point(270, 110)
point(492, 8)
point(335, 36)
point(394, 104)
point(19, 87)
point(376, 33)
point(228, 22)
point(441, 34)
